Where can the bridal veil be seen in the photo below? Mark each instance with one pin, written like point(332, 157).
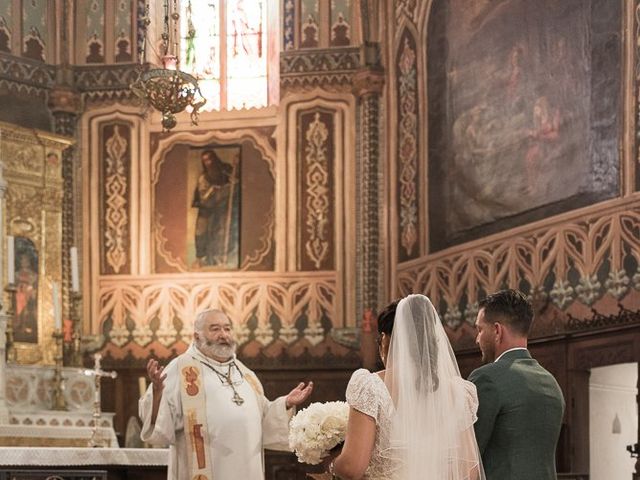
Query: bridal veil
point(432, 431)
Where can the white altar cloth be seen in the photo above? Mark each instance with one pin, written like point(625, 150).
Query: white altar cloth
point(49, 457)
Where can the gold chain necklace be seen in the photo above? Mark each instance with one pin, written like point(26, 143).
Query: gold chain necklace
point(227, 381)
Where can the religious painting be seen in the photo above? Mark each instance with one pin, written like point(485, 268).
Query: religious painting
point(25, 324)
point(215, 207)
point(523, 112)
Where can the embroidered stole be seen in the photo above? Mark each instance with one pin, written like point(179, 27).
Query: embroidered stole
point(194, 413)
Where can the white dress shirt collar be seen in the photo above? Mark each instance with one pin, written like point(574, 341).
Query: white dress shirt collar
point(510, 350)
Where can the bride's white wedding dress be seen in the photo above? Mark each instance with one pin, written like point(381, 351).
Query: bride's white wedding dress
point(367, 393)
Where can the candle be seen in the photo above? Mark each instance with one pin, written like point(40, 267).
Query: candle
point(57, 309)
point(75, 281)
point(11, 265)
point(142, 385)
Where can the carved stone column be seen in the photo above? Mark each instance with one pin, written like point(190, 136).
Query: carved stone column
point(64, 104)
point(368, 84)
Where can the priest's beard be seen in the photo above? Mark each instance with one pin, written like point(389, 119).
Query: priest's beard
point(217, 350)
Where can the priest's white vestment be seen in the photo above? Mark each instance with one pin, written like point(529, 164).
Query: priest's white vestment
point(237, 433)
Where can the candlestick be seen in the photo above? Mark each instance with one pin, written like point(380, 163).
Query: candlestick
point(11, 353)
point(57, 308)
point(11, 265)
point(75, 280)
point(59, 402)
point(74, 313)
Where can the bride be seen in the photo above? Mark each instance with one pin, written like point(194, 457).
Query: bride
point(413, 420)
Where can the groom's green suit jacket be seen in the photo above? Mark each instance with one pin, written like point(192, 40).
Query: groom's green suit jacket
point(519, 418)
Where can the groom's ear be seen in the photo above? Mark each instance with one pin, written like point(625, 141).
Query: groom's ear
point(498, 330)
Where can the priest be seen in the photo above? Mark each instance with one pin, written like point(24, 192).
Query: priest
point(211, 409)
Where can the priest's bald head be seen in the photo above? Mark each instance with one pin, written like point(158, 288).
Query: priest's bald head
point(213, 335)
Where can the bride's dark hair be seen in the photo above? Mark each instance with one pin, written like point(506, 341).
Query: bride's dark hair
point(386, 318)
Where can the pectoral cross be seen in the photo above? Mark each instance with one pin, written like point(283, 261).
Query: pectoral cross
point(237, 399)
point(98, 373)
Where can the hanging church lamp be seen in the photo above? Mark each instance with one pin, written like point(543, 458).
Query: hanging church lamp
point(167, 89)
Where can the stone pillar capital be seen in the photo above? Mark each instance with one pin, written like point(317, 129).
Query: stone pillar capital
point(63, 99)
point(368, 81)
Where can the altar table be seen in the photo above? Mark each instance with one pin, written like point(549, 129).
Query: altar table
point(40, 463)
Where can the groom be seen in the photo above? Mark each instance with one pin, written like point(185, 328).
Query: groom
point(521, 404)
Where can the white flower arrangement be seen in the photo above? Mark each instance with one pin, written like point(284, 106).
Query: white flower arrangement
point(315, 430)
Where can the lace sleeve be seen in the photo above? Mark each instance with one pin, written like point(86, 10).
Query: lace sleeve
point(361, 394)
point(468, 394)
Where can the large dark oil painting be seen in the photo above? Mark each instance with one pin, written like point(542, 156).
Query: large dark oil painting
point(524, 102)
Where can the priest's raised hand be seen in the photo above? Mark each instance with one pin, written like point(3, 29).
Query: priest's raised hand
point(298, 395)
point(211, 410)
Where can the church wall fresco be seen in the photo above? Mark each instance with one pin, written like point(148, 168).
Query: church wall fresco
point(581, 267)
point(539, 134)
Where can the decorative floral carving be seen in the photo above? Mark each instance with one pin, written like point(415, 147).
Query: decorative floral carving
point(166, 334)
point(453, 317)
point(119, 335)
point(317, 190)
point(264, 334)
point(314, 334)
point(405, 8)
point(562, 293)
point(241, 333)
point(588, 289)
point(142, 335)
point(289, 334)
point(115, 190)
point(617, 284)
point(21, 160)
point(408, 147)
point(471, 313)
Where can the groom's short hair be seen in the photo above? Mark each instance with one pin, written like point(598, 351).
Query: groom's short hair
point(510, 308)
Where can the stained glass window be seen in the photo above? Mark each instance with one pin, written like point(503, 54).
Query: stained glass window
point(224, 45)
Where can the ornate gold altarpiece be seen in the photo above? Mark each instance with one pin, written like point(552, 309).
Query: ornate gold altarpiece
point(32, 208)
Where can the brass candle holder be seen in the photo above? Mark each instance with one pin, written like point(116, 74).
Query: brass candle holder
point(76, 336)
point(10, 289)
point(59, 402)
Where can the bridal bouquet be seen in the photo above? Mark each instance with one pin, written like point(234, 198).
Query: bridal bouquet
point(315, 430)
